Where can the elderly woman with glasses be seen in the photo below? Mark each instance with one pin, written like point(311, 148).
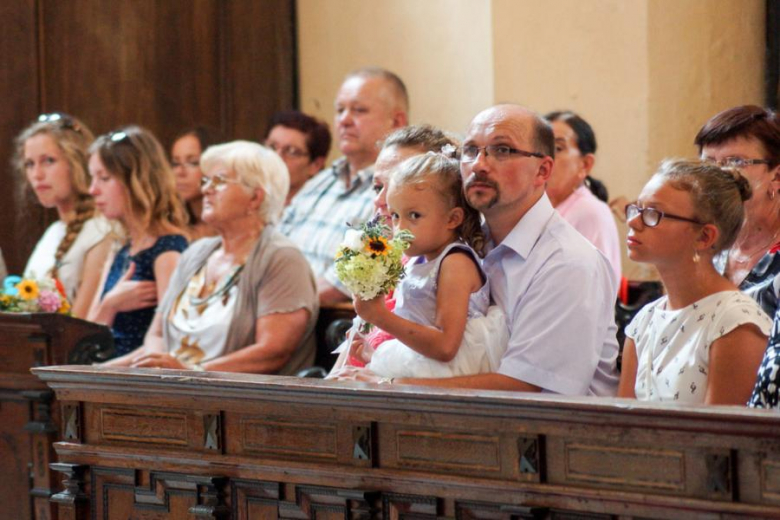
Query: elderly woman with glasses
point(703, 341)
point(51, 156)
point(748, 138)
point(246, 299)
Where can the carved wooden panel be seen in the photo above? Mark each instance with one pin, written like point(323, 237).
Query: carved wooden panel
point(191, 430)
point(404, 454)
point(628, 467)
point(17, 359)
point(485, 454)
point(137, 494)
point(288, 439)
point(144, 426)
point(770, 479)
point(398, 506)
point(465, 510)
point(72, 421)
point(15, 454)
point(255, 500)
point(445, 451)
point(300, 437)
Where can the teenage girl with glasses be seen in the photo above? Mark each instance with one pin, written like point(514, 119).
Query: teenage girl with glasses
point(51, 155)
point(703, 341)
point(133, 184)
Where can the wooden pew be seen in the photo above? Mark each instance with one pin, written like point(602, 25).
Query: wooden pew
point(28, 421)
point(158, 444)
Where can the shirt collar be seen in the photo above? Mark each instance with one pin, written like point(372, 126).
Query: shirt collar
point(527, 231)
point(340, 169)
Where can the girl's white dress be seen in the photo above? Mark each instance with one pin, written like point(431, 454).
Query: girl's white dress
point(484, 340)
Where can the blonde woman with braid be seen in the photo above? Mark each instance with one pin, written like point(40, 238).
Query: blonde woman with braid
point(133, 184)
point(52, 155)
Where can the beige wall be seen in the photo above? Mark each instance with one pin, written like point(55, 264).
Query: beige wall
point(705, 56)
point(645, 73)
point(441, 48)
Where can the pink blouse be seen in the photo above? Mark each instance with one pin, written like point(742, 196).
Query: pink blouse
point(594, 220)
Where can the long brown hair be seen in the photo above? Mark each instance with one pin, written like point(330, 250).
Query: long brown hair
point(137, 159)
point(73, 139)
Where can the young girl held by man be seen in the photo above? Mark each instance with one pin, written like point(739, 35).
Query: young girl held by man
point(442, 322)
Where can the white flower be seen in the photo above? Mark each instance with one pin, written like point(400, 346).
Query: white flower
point(448, 150)
point(353, 240)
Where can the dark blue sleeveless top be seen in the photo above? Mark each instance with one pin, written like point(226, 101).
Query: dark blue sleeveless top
point(130, 327)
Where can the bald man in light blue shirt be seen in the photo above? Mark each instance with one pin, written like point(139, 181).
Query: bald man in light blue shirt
point(557, 291)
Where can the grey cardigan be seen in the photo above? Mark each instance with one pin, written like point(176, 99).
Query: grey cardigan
point(275, 279)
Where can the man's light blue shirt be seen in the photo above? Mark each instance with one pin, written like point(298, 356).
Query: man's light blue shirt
point(558, 293)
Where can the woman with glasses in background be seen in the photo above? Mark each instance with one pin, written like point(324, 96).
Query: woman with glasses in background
point(748, 138)
point(302, 142)
point(133, 184)
point(703, 341)
point(187, 148)
point(51, 155)
point(245, 300)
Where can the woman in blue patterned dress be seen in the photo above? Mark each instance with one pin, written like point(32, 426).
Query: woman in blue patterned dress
point(133, 184)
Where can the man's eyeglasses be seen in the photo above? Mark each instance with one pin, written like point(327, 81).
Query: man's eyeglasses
point(737, 162)
point(216, 181)
point(500, 152)
point(287, 151)
point(63, 120)
point(651, 217)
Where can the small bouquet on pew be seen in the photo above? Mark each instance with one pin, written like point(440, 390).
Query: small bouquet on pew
point(368, 262)
point(33, 295)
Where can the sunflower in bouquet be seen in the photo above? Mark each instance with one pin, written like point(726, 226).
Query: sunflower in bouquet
point(368, 262)
point(33, 295)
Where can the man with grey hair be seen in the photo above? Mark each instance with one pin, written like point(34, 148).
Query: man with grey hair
point(370, 104)
point(556, 289)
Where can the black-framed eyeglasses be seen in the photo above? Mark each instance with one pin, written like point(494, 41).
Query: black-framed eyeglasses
point(737, 162)
point(651, 217)
point(500, 152)
point(287, 151)
point(61, 119)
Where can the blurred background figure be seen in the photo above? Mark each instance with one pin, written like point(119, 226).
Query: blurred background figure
point(578, 197)
point(187, 148)
point(748, 138)
point(302, 142)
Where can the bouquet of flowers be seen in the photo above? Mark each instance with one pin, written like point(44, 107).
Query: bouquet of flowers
point(33, 295)
point(368, 263)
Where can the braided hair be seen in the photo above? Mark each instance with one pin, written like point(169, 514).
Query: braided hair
point(73, 139)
